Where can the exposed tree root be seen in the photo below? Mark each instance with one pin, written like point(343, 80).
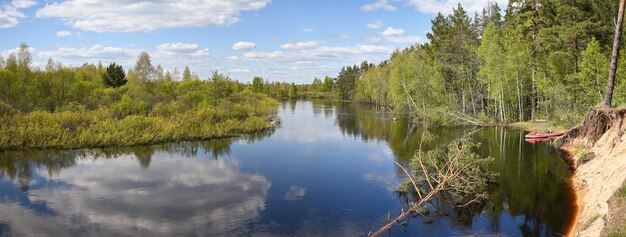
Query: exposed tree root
point(599, 120)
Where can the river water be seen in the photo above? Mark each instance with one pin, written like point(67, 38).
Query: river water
point(327, 171)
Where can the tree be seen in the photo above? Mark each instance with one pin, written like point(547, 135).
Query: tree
point(492, 70)
point(257, 84)
point(144, 69)
point(328, 84)
point(50, 65)
point(592, 75)
point(159, 76)
point(114, 76)
point(2, 62)
point(346, 81)
point(11, 64)
point(24, 58)
point(7, 85)
point(186, 74)
point(317, 85)
point(293, 91)
point(608, 96)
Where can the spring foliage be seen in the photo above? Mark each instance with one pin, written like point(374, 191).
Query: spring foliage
point(90, 106)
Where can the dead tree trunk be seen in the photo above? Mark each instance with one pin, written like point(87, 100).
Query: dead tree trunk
point(610, 84)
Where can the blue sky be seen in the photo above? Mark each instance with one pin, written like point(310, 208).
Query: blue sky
point(279, 40)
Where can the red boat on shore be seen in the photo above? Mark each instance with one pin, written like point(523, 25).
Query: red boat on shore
point(546, 135)
point(535, 140)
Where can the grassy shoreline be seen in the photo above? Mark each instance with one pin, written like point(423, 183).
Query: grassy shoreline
point(101, 128)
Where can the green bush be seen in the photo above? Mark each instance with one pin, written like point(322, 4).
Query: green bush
point(127, 106)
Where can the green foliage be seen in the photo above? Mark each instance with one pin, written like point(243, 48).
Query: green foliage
point(591, 80)
point(622, 191)
point(114, 76)
point(473, 177)
point(541, 60)
point(617, 233)
point(127, 106)
point(257, 84)
point(71, 107)
point(346, 82)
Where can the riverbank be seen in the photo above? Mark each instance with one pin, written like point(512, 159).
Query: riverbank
point(535, 126)
point(241, 114)
point(598, 149)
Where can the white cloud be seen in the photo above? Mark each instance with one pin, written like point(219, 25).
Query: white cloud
point(403, 39)
point(23, 3)
point(301, 65)
point(351, 53)
point(300, 45)
point(375, 25)
point(295, 193)
point(390, 31)
point(89, 54)
point(169, 55)
point(64, 33)
point(258, 56)
point(235, 197)
point(379, 5)
point(396, 36)
point(239, 71)
point(10, 12)
point(308, 29)
point(179, 49)
point(242, 45)
point(445, 6)
point(127, 16)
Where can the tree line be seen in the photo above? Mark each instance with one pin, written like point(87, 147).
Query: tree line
point(537, 59)
point(95, 106)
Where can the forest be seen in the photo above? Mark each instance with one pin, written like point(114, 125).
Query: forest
point(100, 106)
point(535, 60)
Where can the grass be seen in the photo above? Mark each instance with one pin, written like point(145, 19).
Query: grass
point(618, 229)
point(622, 191)
point(582, 155)
point(103, 128)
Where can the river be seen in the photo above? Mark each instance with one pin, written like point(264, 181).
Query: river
point(328, 170)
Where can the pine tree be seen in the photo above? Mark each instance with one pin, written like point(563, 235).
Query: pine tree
point(114, 76)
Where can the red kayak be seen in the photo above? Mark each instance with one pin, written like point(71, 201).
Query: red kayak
point(535, 140)
point(546, 135)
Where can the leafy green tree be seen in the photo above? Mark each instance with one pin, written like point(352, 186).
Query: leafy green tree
point(11, 63)
point(24, 58)
point(114, 76)
point(7, 84)
point(493, 69)
point(317, 85)
point(257, 84)
point(346, 81)
point(328, 84)
point(293, 91)
point(592, 75)
point(186, 74)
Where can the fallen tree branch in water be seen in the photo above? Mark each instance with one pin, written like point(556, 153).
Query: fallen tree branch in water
point(462, 174)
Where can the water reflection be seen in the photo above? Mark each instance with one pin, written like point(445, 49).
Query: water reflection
point(327, 171)
point(118, 198)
